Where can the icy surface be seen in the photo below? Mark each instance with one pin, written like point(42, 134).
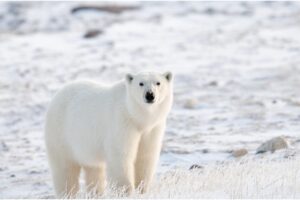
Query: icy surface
point(239, 63)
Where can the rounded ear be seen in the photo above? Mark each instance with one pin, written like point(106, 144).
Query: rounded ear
point(168, 76)
point(129, 78)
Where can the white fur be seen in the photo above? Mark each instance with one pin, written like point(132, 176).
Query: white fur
point(109, 131)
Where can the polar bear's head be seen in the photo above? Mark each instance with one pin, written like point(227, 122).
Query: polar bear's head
point(149, 88)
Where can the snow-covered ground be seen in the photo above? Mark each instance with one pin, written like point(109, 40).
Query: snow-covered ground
point(239, 63)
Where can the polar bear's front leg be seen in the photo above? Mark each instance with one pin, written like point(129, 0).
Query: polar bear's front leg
point(120, 163)
point(147, 157)
point(121, 174)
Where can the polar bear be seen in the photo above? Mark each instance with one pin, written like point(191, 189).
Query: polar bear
point(111, 132)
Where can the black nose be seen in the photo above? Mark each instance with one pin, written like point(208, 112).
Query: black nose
point(149, 97)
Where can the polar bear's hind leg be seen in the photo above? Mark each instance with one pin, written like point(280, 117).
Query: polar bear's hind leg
point(95, 180)
point(65, 177)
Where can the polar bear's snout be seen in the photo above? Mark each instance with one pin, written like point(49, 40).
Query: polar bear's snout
point(150, 97)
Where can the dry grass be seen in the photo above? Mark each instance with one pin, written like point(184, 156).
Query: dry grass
point(246, 179)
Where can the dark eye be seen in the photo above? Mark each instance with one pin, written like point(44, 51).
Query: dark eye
point(158, 83)
point(141, 84)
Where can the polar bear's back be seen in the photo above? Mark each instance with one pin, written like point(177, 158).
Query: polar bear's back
point(77, 113)
point(79, 94)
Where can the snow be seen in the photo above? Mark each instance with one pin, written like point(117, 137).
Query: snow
point(238, 60)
